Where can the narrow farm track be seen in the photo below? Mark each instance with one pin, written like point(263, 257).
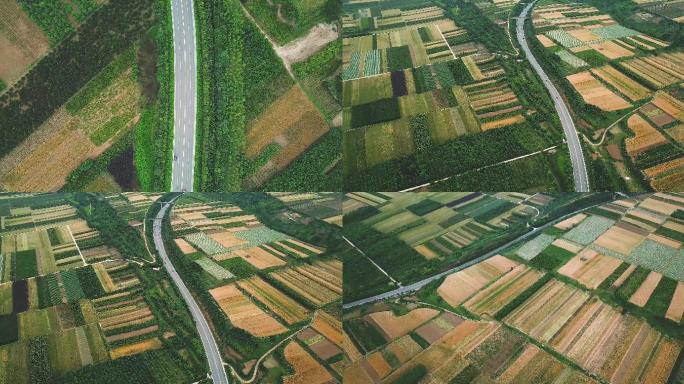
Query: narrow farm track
point(185, 95)
point(408, 289)
point(579, 168)
point(211, 349)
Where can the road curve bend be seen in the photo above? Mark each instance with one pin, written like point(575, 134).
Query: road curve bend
point(579, 168)
point(184, 95)
point(218, 372)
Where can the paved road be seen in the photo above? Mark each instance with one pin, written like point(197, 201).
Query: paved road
point(185, 95)
point(218, 372)
point(401, 291)
point(579, 168)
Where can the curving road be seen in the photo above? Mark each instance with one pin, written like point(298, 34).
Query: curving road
point(401, 291)
point(218, 372)
point(579, 168)
point(185, 91)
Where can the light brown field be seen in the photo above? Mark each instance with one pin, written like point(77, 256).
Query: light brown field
point(425, 251)
point(664, 167)
point(625, 275)
point(491, 299)
point(595, 93)
point(226, 238)
point(646, 136)
point(258, 257)
point(619, 240)
point(590, 268)
point(659, 206)
point(459, 286)
point(276, 301)
point(641, 296)
point(545, 41)
point(544, 314)
point(293, 123)
point(611, 50)
point(21, 42)
point(184, 246)
point(379, 364)
point(132, 349)
point(306, 368)
point(319, 284)
point(676, 309)
point(393, 326)
point(567, 245)
point(244, 314)
point(404, 348)
point(669, 105)
point(571, 222)
point(502, 123)
point(628, 87)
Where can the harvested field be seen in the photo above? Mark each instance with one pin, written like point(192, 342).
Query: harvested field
point(641, 296)
point(258, 257)
point(282, 305)
point(595, 93)
point(545, 313)
point(612, 50)
point(590, 268)
point(669, 105)
point(319, 284)
point(306, 368)
point(404, 348)
point(620, 239)
point(226, 238)
point(628, 87)
point(293, 123)
point(21, 43)
point(244, 314)
point(545, 41)
point(392, 326)
point(571, 222)
point(567, 245)
point(676, 309)
point(132, 349)
point(491, 299)
point(667, 166)
point(624, 276)
point(646, 136)
point(459, 286)
point(184, 246)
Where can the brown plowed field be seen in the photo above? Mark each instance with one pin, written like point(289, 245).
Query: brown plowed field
point(393, 326)
point(306, 368)
point(676, 309)
point(641, 296)
point(244, 314)
point(590, 268)
point(620, 240)
point(458, 287)
point(184, 246)
point(646, 136)
point(595, 93)
point(491, 299)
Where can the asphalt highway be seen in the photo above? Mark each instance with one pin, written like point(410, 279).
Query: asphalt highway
point(218, 372)
point(407, 289)
point(579, 168)
point(185, 95)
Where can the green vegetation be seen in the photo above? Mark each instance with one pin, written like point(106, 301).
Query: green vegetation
point(239, 267)
point(398, 58)
point(40, 372)
point(285, 20)
point(25, 264)
point(9, 329)
point(375, 112)
point(552, 258)
point(466, 376)
point(50, 83)
point(632, 283)
point(413, 375)
point(608, 282)
point(424, 207)
point(661, 298)
point(51, 16)
point(364, 334)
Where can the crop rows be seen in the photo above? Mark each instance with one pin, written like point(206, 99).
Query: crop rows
point(564, 38)
point(571, 59)
point(352, 70)
point(371, 65)
point(214, 269)
point(205, 243)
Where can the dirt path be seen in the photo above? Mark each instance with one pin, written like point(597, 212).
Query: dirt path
point(299, 49)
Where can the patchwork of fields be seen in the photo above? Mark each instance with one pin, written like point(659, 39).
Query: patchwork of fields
point(413, 80)
point(270, 289)
point(621, 73)
point(71, 301)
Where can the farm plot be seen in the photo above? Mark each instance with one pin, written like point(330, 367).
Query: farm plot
point(318, 344)
point(21, 42)
point(215, 270)
point(392, 326)
point(244, 314)
point(306, 368)
point(205, 243)
point(459, 286)
point(260, 257)
point(676, 309)
point(320, 283)
point(595, 93)
point(590, 268)
point(624, 84)
point(494, 297)
point(615, 346)
point(282, 305)
point(658, 71)
point(657, 257)
point(589, 229)
point(571, 59)
point(494, 103)
point(621, 238)
point(545, 313)
point(533, 247)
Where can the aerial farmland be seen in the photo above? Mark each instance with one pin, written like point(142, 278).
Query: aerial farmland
point(270, 279)
point(594, 296)
point(78, 301)
point(624, 86)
